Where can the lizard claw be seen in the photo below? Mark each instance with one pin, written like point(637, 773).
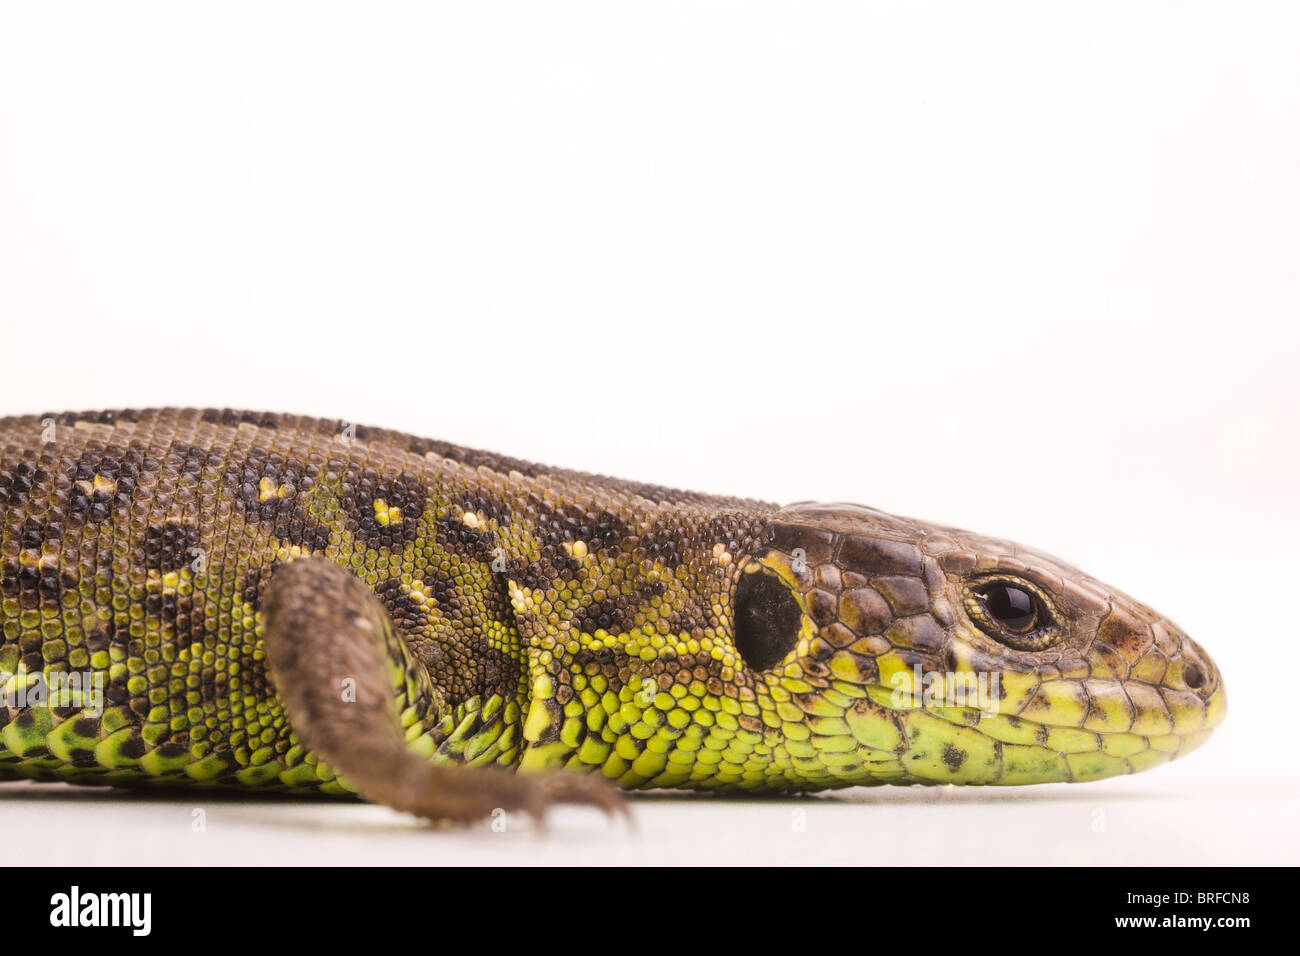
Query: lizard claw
point(559, 787)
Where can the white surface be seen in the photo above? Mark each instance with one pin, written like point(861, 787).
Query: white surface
point(1138, 820)
point(1025, 269)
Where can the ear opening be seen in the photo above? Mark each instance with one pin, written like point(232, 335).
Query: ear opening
point(768, 620)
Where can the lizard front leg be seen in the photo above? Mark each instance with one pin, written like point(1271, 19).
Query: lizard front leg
point(339, 665)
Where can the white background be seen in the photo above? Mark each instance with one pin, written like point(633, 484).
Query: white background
point(1030, 269)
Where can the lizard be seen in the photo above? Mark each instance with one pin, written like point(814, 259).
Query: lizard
point(215, 598)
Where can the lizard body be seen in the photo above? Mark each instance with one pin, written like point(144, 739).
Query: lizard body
point(286, 603)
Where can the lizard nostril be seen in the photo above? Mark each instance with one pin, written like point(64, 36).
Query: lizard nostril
point(1194, 676)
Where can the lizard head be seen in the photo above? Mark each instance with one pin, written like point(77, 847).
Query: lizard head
point(899, 651)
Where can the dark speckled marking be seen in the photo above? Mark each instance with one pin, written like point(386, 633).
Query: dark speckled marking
point(100, 638)
point(285, 508)
point(485, 506)
point(18, 480)
point(11, 576)
point(301, 529)
point(557, 524)
point(35, 533)
point(114, 464)
point(402, 492)
point(171, 609)
point(94, 418)
point(474, 544)
point(616, 614)
point(35, 587)
point(256, 582)
point(169, 546)
point(183, 459)
point(65, 712)
point(230, 416)
point(407, 613)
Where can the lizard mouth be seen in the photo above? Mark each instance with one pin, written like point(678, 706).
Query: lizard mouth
point(1047, 737)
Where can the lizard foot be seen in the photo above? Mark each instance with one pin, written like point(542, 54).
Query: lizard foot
point(325, 627)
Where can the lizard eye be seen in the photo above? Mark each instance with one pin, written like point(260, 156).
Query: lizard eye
point(1012, 607)
point(1012, 614)
point(767, 620)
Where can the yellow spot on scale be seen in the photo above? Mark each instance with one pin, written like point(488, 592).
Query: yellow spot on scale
point(721, 554)
point(385, 514)
point(288, 552)
point(576, 549)
point(267, 489)
point(470, 520)
point(97, 484)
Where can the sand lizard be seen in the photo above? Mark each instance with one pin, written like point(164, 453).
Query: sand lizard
point(274, 602)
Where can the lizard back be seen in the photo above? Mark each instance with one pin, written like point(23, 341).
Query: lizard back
point(136, 548)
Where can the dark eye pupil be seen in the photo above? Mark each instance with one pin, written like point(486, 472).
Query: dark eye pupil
point(1012, 607)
